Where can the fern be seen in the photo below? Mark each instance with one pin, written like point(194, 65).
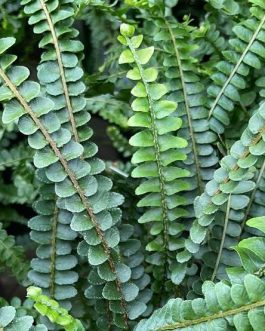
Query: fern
point(86, 197)
point(110, 109)
point(186, 89)
point(52, 268)
point(119, 141)
point(11, 320)
point(12, 256)
point(50, 308)
point(63, 80)
point(222, 307)
point(225, 197)
point(64, 86)
point(247, 53)
point(182, 94)
point(156, 154)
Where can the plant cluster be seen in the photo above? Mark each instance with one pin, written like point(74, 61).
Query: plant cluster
point(169, 232)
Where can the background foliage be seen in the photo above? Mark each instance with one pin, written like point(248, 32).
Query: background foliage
point(132, 165)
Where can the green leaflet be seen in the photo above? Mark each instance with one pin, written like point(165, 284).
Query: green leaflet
point(50, 308)
point(229, 7)
point(251, 251)
point(11, 320)
point(156, 141)
point(241, 304)
point(247, 53)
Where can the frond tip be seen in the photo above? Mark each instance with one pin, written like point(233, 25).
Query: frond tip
point(51, 309)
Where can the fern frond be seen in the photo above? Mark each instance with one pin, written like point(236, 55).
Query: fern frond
point(226, 198)
point(158, 149)
point(51, 309)
point(75, 173)
point(227, 7)
point(248, 52)
point(12, 256)
point(223, 307)
point(210, 42)
point(110, 109)
point(14, 157)
point(119, 141)
point(52, 269)
point(186, 89)
point(59, 71)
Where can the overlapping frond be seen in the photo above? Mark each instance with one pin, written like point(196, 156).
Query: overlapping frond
point(220, 210)
point(223, 307)
point(247, 53)
point(52, 269)
point(59, 71)
point(72, 169)
point(158, 149)
point(51, 309)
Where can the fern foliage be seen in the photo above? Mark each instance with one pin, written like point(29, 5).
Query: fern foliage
point(239, 304)
point(222, 307)
point(12, 256)
point(50, 308)
point(12, 320)
point(158, 149)
point(52, 269)
point(246, 53)
point(86, 197)
point(221, 207)
point(181, 246)
point(59, 71)
point(186, 89)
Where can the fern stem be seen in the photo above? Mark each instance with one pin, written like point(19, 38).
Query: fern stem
point(234, 71)
point(223, 239)
point(74, 181)
point(61, 68)
point(187, 107)
point(206, 319)
point(53, 251)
